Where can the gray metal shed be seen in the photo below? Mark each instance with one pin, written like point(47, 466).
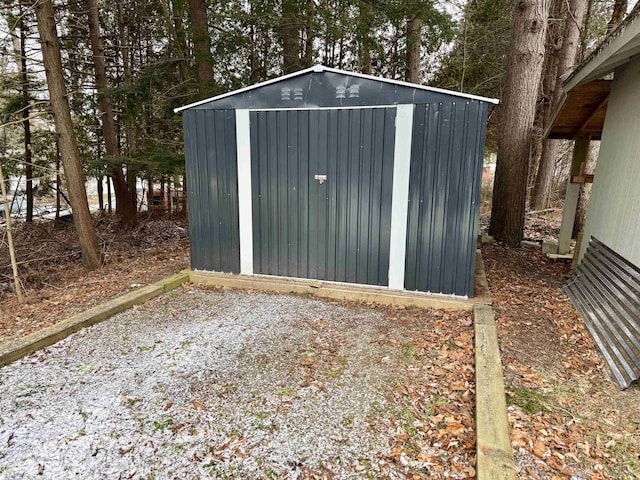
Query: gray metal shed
point(338, 176)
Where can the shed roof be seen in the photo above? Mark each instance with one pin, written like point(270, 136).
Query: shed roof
point(320, 69)
point(583, 107)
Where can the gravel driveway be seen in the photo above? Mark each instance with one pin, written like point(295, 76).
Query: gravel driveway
point(230, 384)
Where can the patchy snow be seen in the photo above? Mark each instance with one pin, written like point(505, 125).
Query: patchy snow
point(201, 383)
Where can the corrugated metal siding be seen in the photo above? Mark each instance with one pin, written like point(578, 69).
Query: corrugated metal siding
point(338, 230)
point(614, 207)
point(605, 289)
point(212, 184)
point(444, 194)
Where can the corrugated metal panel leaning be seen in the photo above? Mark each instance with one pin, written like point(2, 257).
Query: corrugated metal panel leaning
point(605, 289)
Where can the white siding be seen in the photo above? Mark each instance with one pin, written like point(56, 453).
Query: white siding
point(614, 209)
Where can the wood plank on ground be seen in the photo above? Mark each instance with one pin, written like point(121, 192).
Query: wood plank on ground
point(16, 349)
point(494, 452)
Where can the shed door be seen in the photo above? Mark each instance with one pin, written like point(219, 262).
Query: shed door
point(321, 191)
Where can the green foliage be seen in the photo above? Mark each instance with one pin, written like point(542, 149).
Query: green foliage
point(478, 61)
point(530, 401)
point(151, 67)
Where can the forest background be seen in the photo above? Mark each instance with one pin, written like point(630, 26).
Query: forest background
point(125, 65)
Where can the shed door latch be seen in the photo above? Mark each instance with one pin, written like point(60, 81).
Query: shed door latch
point(321, 178)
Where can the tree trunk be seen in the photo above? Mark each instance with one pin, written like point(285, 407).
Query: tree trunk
point(124, 206)
point(566, 60)
point(514, 139)
point(19, 49)
point(548, 83)
point(126, 70)
point(74, 175)
point(254, 62)
point(109, 199)
point(176, 39)
point(309, 33)
point(414, 28)
point(149, 192)
point(132, 174)
point(364, 37)
point(100, 193)
point(56, 221)
point(619, 11)
point(201, 45)
point(582, 49)
point(289, 36)
point(585, 190)
point(26, 123)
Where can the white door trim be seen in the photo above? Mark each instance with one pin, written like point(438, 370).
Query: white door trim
point(400, 196)
point(245, 215)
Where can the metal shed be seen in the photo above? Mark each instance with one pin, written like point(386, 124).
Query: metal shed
point(337, 176)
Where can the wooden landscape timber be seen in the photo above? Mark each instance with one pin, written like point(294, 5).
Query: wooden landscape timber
point(493, 444)
point(16, 349)
point(494, 455)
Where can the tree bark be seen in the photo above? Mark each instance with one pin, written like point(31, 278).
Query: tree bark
point(56, 220)
point(177, 39)
point(585, 190)
point(201, 45)
point(100, 193)
point(289, 33)
point(566, 60)
point(26, 123)
point(309, 33)
point(548, 83)
point(109, 199)
point(124, 206)
point(19, 49)
point(414, 28)
point(74, 175)
point(364, 37)
point(514, 139)
point(619, 11)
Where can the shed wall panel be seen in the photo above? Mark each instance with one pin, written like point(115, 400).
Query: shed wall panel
point(212, 189)
point(444, 195)
point(614, 207)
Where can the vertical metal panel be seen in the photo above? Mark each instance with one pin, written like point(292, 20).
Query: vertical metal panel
point(605, 289)
point(212, 183)
point(338, 230)
point(444, 194)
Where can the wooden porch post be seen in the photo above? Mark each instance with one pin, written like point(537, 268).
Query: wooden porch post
point(580, 153)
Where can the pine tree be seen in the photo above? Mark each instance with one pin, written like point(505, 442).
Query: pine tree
point(91, 254)
point(526, 60)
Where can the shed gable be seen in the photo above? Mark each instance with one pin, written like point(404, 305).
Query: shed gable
point(326, 89)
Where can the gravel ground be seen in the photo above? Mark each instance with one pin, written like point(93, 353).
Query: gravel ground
point(209, 383)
